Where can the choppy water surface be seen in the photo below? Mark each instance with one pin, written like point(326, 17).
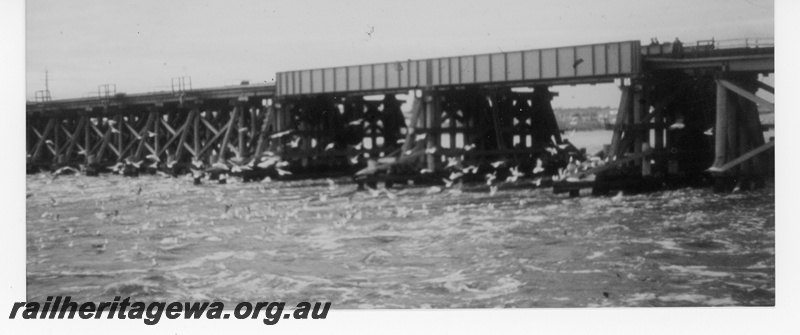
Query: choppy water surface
point(155, 238)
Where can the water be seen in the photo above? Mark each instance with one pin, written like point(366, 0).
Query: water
point(592, 140)
point(154, 238)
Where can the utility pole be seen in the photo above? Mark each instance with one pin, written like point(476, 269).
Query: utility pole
point(44, 96)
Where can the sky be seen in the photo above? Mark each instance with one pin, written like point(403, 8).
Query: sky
point(141, 45)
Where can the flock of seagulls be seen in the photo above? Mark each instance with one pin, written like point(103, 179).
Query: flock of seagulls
point(558, 162)
point(256, 169)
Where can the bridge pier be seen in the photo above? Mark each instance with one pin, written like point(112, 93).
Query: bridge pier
point(177, 132)
point(739, 140)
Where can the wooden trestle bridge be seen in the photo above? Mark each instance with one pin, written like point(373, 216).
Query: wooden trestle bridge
point(465, 111)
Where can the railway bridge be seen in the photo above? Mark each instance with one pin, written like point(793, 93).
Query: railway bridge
point(686, 110)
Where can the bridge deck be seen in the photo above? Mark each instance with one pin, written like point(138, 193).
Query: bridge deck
point(121, 99)
point(565, 65)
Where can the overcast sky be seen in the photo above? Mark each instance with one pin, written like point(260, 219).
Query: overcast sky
point(139, 45)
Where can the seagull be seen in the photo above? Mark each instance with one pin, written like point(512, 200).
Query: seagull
point(551, 150)
point(451, 162)
point(678, 124)
point(424, 171)
point(538, 168)
point(470, 169)
point(497, 164)
point(331, 184)
point(709, 132)
point(420, 137)
point(455, 175)
point(469, 147)
point(64, 170)
point(433, 189)
point(281, 134)
point(571, 166)
point(355, 122)
point(239, 168)
point(375, 193)
point(117, 167)
point(359, 145)
point(295, 142)
point(430, 151)
point(490, 177)
point(492, 190)
point(282, 172)
point(135, 164)
point(268, 162)
point(219, 166)
point(515, 174)
point(447, 182)
point(330, 146)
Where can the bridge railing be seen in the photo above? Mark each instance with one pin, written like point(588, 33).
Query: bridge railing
point(745, 43)
point(706, 48)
